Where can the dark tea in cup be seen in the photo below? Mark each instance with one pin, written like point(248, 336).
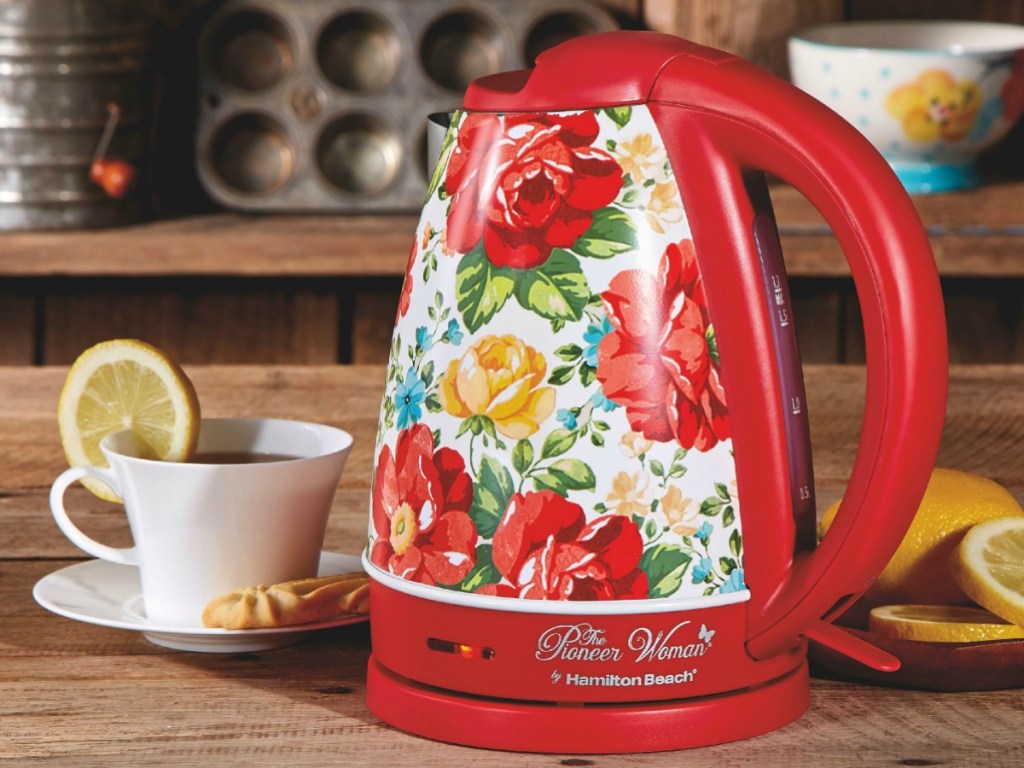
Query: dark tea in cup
point(239, 457)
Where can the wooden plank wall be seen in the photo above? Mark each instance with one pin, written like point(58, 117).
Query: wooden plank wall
point(265, 319)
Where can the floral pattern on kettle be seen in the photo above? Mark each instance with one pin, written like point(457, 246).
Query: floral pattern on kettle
point(555, 425)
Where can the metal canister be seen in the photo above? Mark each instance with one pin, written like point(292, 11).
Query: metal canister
point(62, 62)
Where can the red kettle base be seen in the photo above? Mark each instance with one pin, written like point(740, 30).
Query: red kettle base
point(477, 721)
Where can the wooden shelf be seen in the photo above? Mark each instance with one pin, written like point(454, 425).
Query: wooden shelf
point(974, 234)
point(978, 233)
point(218, 244)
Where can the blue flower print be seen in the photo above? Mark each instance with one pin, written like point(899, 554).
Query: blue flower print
point(600, 401)
point(592, 336)
point(701, 570)
point(566, 417)
point(409, 397)
point(454, 333)
point(733, 582)
point(423, 338)
point(704, 532)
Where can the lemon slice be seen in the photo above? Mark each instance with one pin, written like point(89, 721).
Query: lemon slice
point(941, 624)
point(126, 384)
point(989, 566)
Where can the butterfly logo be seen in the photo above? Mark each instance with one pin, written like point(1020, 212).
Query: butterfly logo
point(706, 634)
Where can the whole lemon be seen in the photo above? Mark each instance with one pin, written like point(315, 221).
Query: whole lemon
point(918, 571)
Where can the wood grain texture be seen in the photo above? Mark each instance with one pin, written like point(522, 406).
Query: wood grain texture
point(199, 326)
point(977, 233)
point(991, 209)
point(985, 433)
point(219, 244)
point(985, 321)
point(1011, 11)
point(757, 30)
point(817, 307)
point(373, 322)
point(115, 700)
point(17, 329)
point(956, 255)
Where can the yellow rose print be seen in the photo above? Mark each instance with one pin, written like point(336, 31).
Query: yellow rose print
point(642, 158)
point(663, 207)
point(936, 106)
point(629, 494)
point(499, 377)
point(635, 444)
point(680, 512)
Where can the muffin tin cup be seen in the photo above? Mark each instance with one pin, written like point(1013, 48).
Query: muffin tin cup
point(321, 105)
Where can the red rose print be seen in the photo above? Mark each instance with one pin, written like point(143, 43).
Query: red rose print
point(545, 550)
point(420, 503)
point(656, 362)
point(406, 295)
point(526, 184)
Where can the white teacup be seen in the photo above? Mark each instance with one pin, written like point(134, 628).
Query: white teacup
point(203, 529)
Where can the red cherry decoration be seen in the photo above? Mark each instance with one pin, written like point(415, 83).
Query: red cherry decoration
point(117, 177)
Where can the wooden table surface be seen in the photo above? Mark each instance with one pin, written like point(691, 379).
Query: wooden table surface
point(77, 694)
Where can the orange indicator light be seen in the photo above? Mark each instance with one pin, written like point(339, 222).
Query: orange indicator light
point(462, 650)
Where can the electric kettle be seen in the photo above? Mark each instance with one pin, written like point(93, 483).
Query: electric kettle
point(592, 514)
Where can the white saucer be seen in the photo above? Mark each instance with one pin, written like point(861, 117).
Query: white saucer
point(108, 594)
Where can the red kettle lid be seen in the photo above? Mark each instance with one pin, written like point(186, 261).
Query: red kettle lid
point(581, 73)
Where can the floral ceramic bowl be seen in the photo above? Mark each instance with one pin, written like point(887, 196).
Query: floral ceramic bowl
point(930, 95)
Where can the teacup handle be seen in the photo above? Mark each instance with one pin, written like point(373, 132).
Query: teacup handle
point(125, 555)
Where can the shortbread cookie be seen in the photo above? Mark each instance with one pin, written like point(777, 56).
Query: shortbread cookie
point(292, 602)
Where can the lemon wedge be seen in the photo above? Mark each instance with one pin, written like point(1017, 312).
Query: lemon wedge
point(126, 384)
point(941, 624)
point(918, 571)
point(989, 566)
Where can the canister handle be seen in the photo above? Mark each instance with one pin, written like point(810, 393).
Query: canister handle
point(757, 121)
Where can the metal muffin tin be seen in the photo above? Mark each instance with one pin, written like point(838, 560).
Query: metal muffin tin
point(321, 105)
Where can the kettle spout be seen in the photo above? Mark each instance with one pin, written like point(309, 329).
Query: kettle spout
point(437, 128)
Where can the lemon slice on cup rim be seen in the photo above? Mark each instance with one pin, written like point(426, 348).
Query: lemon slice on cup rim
point(126, 384)
point(988, 565)
point(941, 624)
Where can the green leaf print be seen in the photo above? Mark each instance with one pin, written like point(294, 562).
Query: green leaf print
point(481, 288)
point(712, 340)
point(491, 495)
point(573, 474)
point(619, 115)
point(736, 543)
point(612, 232)
point(665, 566)
point(557, 443)
point(548, 481)
point(569, 352)
point(556, 290)
point(561, 374)
point(522, 456)
point(484, 571)
point(442, 160)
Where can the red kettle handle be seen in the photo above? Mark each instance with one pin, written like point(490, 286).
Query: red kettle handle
point(750, 120)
